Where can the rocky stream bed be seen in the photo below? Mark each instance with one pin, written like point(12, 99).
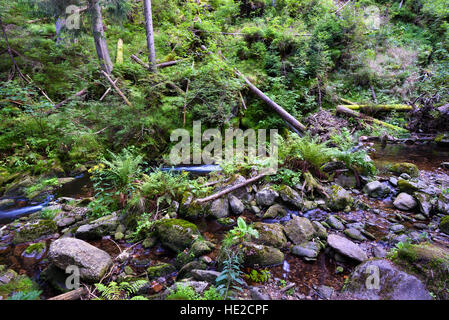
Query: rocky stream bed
point(315, 247)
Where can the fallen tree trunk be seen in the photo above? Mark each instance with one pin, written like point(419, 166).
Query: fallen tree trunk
point(159, 66)
point(230, 189)
point(281, 111)
point(78, 94)
point(116, 88)
point(379, 107)
point(355, 114)
point(71, 295)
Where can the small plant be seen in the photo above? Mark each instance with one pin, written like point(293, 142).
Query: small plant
point(186, 292)
point(122, 291)
point(445, 191)
point(260, 276)
point(48, 214)
point(240, 233)
point(231, 276)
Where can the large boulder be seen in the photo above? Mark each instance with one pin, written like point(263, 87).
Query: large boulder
point(266, 197)
point(299, 230)
point(405, 202)
point(393, 284)
point(346, 247)
point(176, 234)
point(91, 261)
point(270, 234)
point(339, 198)
point(257, 255)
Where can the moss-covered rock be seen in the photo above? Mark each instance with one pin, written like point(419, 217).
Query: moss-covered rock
point(259, 255)
point(191, 210)
point(339, 198)
point(11, 282)
point(429, 262)
point(407, 186)
point(201, 247)
point(444, 224)
point(405, 167)
point(270, 234)
point(31, 232)
point(299, 230)
point(290, 196)
point(276, 210)
point(103, 226)
point(176, 234)
point(160, 270)
point(35, 248)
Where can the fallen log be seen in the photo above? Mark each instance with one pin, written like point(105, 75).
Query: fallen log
point(107, 91)
point(355, 114)
point(116, 88)
point(71, 295)
point(230, 189)
point(78, 94)
point(281, 111)
point(379, 107)
point(159, 66)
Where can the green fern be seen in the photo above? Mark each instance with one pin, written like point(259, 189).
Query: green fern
point(122, 291)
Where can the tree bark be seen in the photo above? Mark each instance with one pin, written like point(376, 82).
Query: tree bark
point(71, 295)
point(108, 77)
point(150, 35)
point(99, 37)
point(15, 66)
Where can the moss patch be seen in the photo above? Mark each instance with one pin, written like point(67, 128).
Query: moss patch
point(34, 231)
point(405, 167)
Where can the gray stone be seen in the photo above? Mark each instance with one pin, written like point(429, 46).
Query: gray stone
point(290, 196)
point(260, 255)
point(276, 210)
point(270, 234)
point(379, 252)
point(266, 197)
point(354, 234)
point(376, 189)
point(236, 205)
point(335, 223)
point(405, 202)
point(394, 284)
point(220, 208)
point(320, 230)
point(299, 230)
point(339, 198)
point(92, 262)
point(98, 228)
point(257, 294)
point(397, 228)
point(309, 250)
point(205, 275)
point(346, 247)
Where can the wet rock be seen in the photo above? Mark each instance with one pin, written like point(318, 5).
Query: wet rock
point(309, 250)
point(354, 234)
point(394, 284)
point(379, 252)
point(397, 228)
point(320, 230)
point(405, 176)
point(339, 198)
point(405, 202)
point(346, 181)
point(220, 208)
point(92, 262)
point(201, 247)
point(393, 181)
point(226, 221)
point(376, 189)
point(65, 219)
point(185, 271)
point(205, 275)
point(266, 197)
point(260, 255)
point(407, 186)
point(299, 230)
point(5, 203)
point(176, 234)
point(276, 210)
point(335, 223)
point(258, 294)
point(98, 228)
point(34, 231)
point(405, 167)
point(325, 292)
point(270, 234)
point(191, 210)
point(424, 203)
point(236, 205)
point(444, 225)
point(346, 247)
point(290, 196)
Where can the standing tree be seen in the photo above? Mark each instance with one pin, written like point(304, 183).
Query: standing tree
point(99, 38)
point(150, 35)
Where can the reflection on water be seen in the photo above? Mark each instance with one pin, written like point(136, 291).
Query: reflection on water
point(424, 156)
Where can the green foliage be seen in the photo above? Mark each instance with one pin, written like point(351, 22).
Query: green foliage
point(185, 292)
point(121, 291)
point(48, 214)
point(26, 295)
point(287, 177)
point(231, 276)
point(41, 186)
point(239, 233)
point(260, 276)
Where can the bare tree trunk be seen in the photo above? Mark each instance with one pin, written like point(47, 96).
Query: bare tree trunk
point(150, 35)
point(11, 55)
point(99, 37)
